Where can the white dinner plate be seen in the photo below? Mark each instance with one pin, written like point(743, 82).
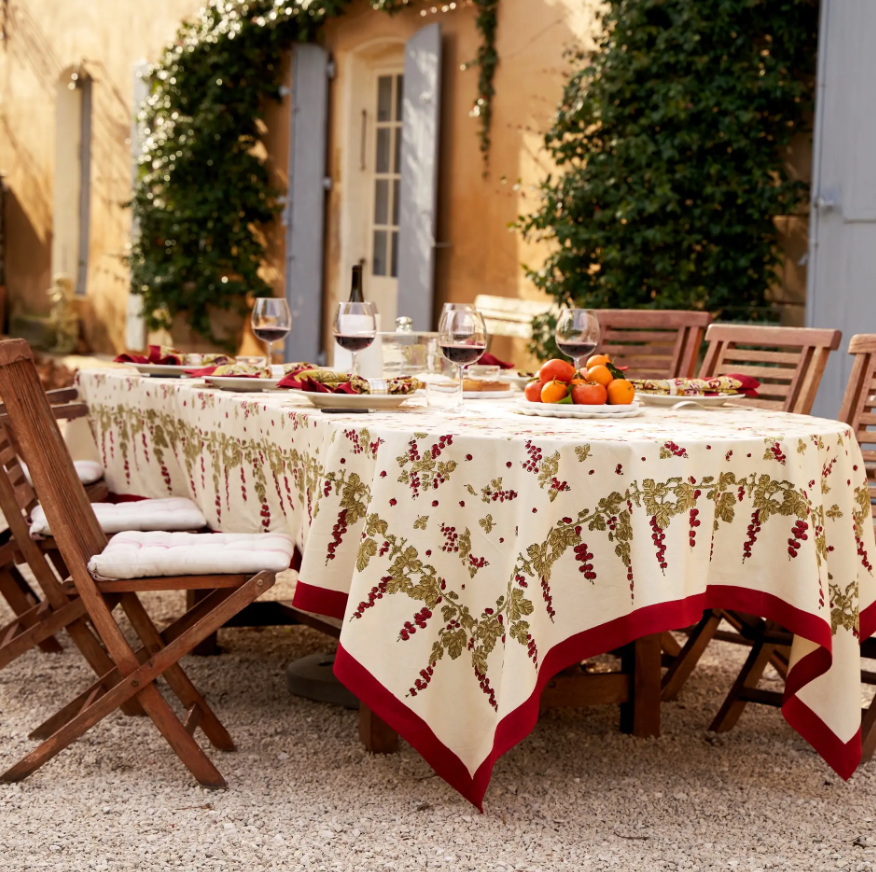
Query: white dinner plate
point(557, 410)
point(165, 369)
point(235, 383)
point(673, 399)
point(355, 401)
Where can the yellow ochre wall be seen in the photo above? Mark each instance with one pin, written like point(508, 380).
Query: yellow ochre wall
point(45, 39)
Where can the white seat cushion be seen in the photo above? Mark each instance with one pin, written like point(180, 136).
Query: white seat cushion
point(144, 555)
point(89, 471)
point(175, 513)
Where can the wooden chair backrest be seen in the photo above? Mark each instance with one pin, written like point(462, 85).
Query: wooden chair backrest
point(859, 404)
point(653, 343)
point(42, 447)
point(787, 361)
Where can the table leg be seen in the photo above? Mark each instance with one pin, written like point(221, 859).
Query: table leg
point(640, 715)
point(210, 645)
point(377, 736)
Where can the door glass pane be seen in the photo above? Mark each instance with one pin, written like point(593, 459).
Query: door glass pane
point(395, 193)
point(398, 143)
point(394, 269)
point(379, 261)
point(383, 149)
point(381, 201)
point(384, 98)
point(399, 96)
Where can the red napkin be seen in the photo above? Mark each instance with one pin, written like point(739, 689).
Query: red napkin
point(308, 385)
point(155, 356)
point(748, 384)
point(488, 359)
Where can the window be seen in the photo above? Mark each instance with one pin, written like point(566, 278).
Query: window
point(387, 175)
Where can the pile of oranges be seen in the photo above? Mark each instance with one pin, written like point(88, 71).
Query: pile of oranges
point(600, 382)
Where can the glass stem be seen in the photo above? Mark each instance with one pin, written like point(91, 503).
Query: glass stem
point(354, 360)
point(459, 395)
point(578, 362)
point(270, 355)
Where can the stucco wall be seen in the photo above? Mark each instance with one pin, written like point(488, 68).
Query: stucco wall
point(45, 39)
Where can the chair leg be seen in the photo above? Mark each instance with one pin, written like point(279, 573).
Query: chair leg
point(748, 678)
point(685, 663)
point(21, 598)
point(179, 682)
point(111, 677)
point(140, 683)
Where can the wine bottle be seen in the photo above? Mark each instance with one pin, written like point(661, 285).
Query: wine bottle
point(356, 295)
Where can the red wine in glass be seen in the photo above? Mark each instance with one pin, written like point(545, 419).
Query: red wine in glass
point(270, 334)
point(576, 350)
point(353, 341)
point(463, 355)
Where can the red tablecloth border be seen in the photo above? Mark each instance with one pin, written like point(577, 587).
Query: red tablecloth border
point(843, 758)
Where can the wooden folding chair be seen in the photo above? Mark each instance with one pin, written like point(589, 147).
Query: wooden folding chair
point(661, 343)
point(132, 673)
point(37, 620)
point(14, 588)
point(769, 641)
point(789, 363)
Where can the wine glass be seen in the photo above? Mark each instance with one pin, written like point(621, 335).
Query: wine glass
point(462, 339)
point(355, 328)
point(271, 321)
point(577, 334)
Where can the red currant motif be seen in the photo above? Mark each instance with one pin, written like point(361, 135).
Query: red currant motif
point(798, 532)
point(753, 530)
point(658, 537)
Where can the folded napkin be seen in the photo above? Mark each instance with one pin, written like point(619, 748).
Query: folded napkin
point(167, 356)
point(488, 359)
point(731, 384)
point(325, 381)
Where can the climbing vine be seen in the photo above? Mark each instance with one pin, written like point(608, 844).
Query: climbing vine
point(671, 140)
point(202, 193)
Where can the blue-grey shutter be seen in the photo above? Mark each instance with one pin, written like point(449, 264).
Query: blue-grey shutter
point(419, 176)
point(304, 214)
point(842, 224)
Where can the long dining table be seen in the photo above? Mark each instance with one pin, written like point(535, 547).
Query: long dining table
point(470, 556)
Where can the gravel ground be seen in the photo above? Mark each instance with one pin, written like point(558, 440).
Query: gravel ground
point(304, 795)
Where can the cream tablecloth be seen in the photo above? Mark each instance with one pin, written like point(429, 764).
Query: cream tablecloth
point(473, 556)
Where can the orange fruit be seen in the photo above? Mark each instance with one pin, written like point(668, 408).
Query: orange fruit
point(596, 359)
point(558, 369)
point(600, 374)
point(621, 392)
point(532, 392)
point(588, 394)
point(554, 391)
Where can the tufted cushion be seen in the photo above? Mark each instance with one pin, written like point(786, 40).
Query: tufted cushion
point(144, 555)
point(176, 513)
point(89, 471)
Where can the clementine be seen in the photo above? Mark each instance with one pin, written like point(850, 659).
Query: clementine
point(621, 392)
point(600, 374)
point(598, 359)
point(554, 391)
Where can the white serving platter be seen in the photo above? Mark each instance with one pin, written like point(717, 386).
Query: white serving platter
point(557, 410)
point(674, 399)
point(354, 401)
